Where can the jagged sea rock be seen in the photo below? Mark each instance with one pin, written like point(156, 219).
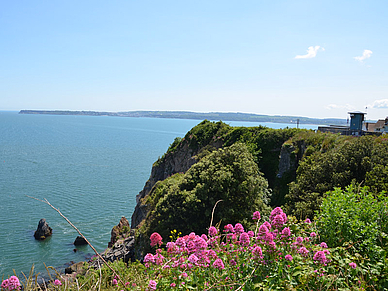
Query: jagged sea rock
point(76, 268)
point(117, 230)
point(43, 230)
point(79, 241)
point(121, 250)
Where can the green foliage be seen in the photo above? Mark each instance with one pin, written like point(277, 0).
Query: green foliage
point(174, 145)
point(265, 145)
point(102, 279)
point(358, 221)
point(337, 162)
point(185, 201)
point(205, 133)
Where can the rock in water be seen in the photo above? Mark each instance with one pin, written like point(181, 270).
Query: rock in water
point(121, 228)
point(43, 230)
point(79, 241)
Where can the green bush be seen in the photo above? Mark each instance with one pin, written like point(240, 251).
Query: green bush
point(358, 220)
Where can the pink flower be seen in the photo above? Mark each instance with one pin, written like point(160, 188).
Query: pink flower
point(218, 264)
point(239, 228)
point(159, 259)
point(193, 259)
point(323, 245)
point(244, 239)
point(170, 246)
point(257, 252)
point(152, 285)
point(286, 232)
point(156, 239)
point(251, 233)
point(267, 224)
point(11, 284)
point(320, 256)
point(191, 246)
point(114, 282)
point(303, 251)
point(149, 258)
point(278, 220)
point(180, 242)
point(172, 285)
point(299, 240)
point(263, 230)
point(307, 220)
point(184, 275)
point(58, 282)
point(213, 231)
point(353, 265)
point(200, 243)
point(275, 212)
point(228, 228)
point(288, 257)
point(212, 254)
point(256, 215)
point(268, 237)
point(313, 234)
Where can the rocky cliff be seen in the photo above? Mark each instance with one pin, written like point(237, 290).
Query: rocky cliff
point(290, 156)
point(178, 161)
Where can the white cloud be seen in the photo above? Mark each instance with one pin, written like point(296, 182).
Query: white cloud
point(311, 52)
point(379, 104)
point(365, 55)
point(337, 106)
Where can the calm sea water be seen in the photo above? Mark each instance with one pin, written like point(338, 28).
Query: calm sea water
point(91, 168)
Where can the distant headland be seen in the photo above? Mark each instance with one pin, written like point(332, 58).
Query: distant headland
point(224, 116)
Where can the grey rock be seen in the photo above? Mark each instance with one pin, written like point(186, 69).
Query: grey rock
point(75, 268)
point(43, 230)
point(122, 250)
point(118, 230)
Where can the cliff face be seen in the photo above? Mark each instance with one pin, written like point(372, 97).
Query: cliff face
point(178, 161)
point(290, 156)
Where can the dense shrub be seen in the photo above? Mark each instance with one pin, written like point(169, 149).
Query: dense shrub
point(345, 161)
point(358, 220)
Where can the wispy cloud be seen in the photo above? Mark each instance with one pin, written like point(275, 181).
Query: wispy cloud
point(311, 52)
point(365, 55)
point(337, 106)
point(379, 104)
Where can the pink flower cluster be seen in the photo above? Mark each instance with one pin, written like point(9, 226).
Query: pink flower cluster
point(320, 257)
point(217, 250)
point(11, 284)
point(278, 217)
point(156, 239)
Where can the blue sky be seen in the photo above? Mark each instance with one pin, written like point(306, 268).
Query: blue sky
point(302, 58)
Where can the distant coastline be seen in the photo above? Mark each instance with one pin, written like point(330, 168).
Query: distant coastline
point(224, 116)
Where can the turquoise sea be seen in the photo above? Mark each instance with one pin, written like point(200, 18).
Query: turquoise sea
point(91, 168)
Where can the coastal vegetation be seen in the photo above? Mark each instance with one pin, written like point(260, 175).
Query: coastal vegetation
point(257, 209)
